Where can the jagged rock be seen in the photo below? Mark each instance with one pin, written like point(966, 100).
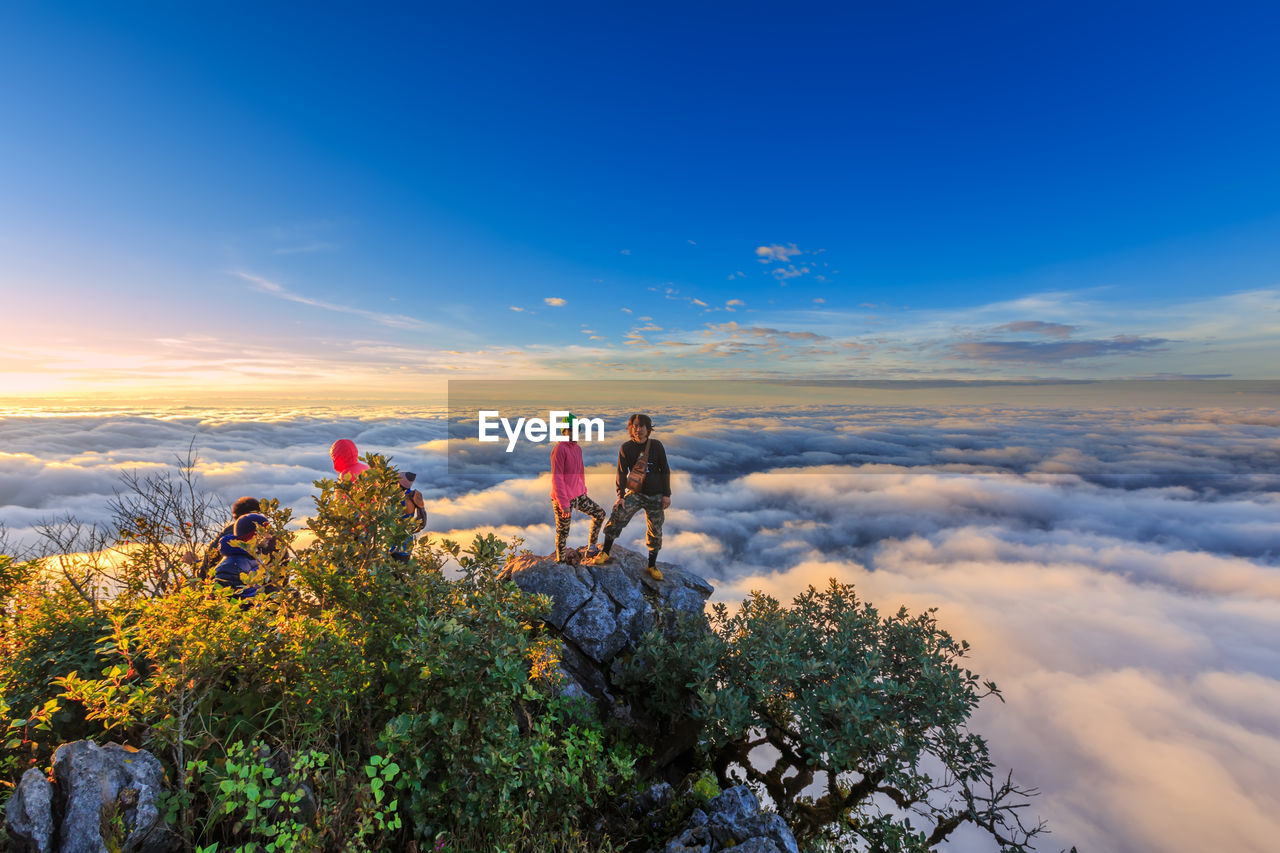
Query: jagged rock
point(29, 815)
point(675, 847)
point(595, 629)
point(774, 828)
point(569, 686)
point(112, 787)
point(583, 672)
point(733, 821)
point(729, 813)
point(757, 845)
point(734, 817)
point(656, 797)
point(601, 611)
point(561, 585)
point(692, 840)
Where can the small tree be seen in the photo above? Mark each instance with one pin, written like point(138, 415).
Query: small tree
point(163, 520)
point(76, 553)
point(853, 723)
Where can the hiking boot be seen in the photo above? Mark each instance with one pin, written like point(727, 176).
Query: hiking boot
point(654, 572)
point(601, 559)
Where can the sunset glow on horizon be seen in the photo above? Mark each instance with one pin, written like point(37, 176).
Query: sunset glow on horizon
point(971, 306)
point(172, 225)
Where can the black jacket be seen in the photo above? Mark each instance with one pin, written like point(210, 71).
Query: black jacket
point(657, 479)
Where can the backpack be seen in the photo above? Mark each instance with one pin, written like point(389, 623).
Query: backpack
point(416, 509)
point(635, 477)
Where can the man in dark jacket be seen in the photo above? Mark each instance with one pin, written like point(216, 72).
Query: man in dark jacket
point(653, 495)
point(237, 561)
point(212, 553)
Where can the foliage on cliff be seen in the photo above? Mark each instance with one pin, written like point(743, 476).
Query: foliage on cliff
point(365, 703)
point(415, 706)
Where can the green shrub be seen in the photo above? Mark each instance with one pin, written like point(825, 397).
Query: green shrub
point(47, 630)
point(495, 761)
point(417, 705)
point(870, 709)
point(254, 801)
point(354, 664)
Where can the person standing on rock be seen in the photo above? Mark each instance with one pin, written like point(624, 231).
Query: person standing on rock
point(569, 492)
point(643, 482)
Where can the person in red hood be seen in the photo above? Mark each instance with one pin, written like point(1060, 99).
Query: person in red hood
point(346, 459)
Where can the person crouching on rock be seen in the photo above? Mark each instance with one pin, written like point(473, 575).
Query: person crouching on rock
point(236, 560)
point(643, 482)
point(569, 492)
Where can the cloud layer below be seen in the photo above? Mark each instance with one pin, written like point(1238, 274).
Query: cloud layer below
point(1117, 571)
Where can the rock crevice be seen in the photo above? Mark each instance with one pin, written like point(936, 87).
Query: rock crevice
point(600, 611)
point(112, 791)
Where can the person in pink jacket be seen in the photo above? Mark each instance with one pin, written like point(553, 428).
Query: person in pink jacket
point(346, 459)
point(569, 492)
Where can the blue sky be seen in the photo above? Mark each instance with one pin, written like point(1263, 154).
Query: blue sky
point(270, 195)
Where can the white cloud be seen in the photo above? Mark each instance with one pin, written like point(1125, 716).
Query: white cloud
point(395, 321)
point(1117, 570)
point(788, 272)
point(777, 252)
point(554, 301)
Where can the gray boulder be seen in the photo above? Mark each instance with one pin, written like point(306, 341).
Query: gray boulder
point(676, 847)
point(757, 845)
point(734, 821)
point(29, 815)
point(735, 817)
point(655, 798)
point(114, 789)
point(599, 612)
point(730, 815)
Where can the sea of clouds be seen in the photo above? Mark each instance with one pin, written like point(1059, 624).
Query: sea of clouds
point(1117, 570)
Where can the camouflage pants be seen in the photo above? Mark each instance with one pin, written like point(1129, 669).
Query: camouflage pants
point(582, 503)
point(628, 507)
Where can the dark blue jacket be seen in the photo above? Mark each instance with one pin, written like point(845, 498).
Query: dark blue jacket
point(235, 561)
